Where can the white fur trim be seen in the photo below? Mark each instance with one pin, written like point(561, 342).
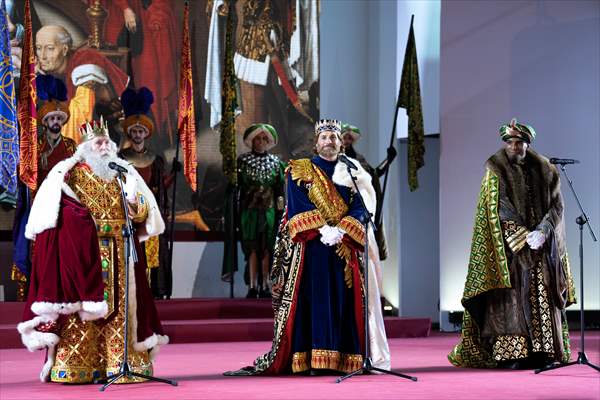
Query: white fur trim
point(92, 310)
point(152, 343)
point(47, 308)
point(163, 339)
point(154, 224)
point(26, 326)
point(363, 181)
point(51, 357)
point(45, 208)
point(33, 339)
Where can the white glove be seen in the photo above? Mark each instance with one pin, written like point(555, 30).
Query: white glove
point(129, 187)
point(536, 239)
point(331, 235)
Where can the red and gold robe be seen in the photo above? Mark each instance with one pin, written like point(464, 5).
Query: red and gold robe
point(76, 305)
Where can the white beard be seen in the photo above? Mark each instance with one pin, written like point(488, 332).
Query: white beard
point(99, 164)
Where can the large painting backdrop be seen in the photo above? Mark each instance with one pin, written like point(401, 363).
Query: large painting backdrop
point(140, 43)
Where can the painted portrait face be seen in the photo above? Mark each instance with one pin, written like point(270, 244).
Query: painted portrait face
point(54, 123)
point(328, 145)
point(138, 134)
point(50, 52)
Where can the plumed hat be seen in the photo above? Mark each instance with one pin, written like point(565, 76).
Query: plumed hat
point(136, 106)
point(52, 98)
point(518, 131)
point(253, 130)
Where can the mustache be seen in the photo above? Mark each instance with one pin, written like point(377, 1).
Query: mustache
point(54, 128)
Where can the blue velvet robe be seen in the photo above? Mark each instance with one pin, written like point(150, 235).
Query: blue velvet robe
point(327, 320)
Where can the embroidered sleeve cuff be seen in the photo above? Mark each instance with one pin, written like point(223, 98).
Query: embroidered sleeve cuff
point(515, 235)
point(140, 209)
point(305, 221)
point(353, 228)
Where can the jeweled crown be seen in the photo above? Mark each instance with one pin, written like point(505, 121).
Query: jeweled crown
point(92, 129)
point(324, 125)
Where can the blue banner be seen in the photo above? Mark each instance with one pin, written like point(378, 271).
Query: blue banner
point(9, 137)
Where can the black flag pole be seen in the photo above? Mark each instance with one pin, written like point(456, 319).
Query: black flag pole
point(174, 170)
point(392, 138)
point(387, 170)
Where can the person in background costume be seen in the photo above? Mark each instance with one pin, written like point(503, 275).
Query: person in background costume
point(380, 351)
point(87, 73)
point(138, 127)
point(152, 31)
point(317, 282)
point(519, 281)
point(87, 80)
point(52, 115)
point(261, 180)
point(350, 135)
point(55, 56)
point(75, 308)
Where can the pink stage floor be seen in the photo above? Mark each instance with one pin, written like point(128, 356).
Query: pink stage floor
point(198, 368)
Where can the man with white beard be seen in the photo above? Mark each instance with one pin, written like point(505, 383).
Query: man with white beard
point(75, 307)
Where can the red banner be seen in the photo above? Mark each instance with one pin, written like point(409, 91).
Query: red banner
point(186, 123)
point(26, 109)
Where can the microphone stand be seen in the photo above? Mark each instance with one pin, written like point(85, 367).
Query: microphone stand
point(367, 366)
point(128, 232)
point(581, 220)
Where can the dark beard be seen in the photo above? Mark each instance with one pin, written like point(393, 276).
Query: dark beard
point(54, 128)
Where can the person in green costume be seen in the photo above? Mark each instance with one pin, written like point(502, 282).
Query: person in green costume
point(519, 281)
point(261, 185)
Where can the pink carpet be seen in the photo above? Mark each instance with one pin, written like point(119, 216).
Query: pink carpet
point(198, 368)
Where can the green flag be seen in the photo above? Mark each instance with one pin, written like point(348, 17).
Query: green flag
point(229, 151)
point(229, 105)
point(410, 99)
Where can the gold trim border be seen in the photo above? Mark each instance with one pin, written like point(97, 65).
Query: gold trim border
point(353, 228)
point(305, 221)
point(326, 359)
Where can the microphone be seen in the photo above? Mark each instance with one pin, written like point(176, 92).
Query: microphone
point(563, 161)
point(117, 167)
point(346, 160)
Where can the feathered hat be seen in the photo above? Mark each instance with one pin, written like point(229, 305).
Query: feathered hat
point(136, 106)
point(52, 98)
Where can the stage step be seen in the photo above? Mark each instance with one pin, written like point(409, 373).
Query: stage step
point(212, 320)
point(255, 329)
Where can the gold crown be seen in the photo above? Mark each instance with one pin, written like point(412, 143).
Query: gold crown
point(324, 125)
point(93, 129)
